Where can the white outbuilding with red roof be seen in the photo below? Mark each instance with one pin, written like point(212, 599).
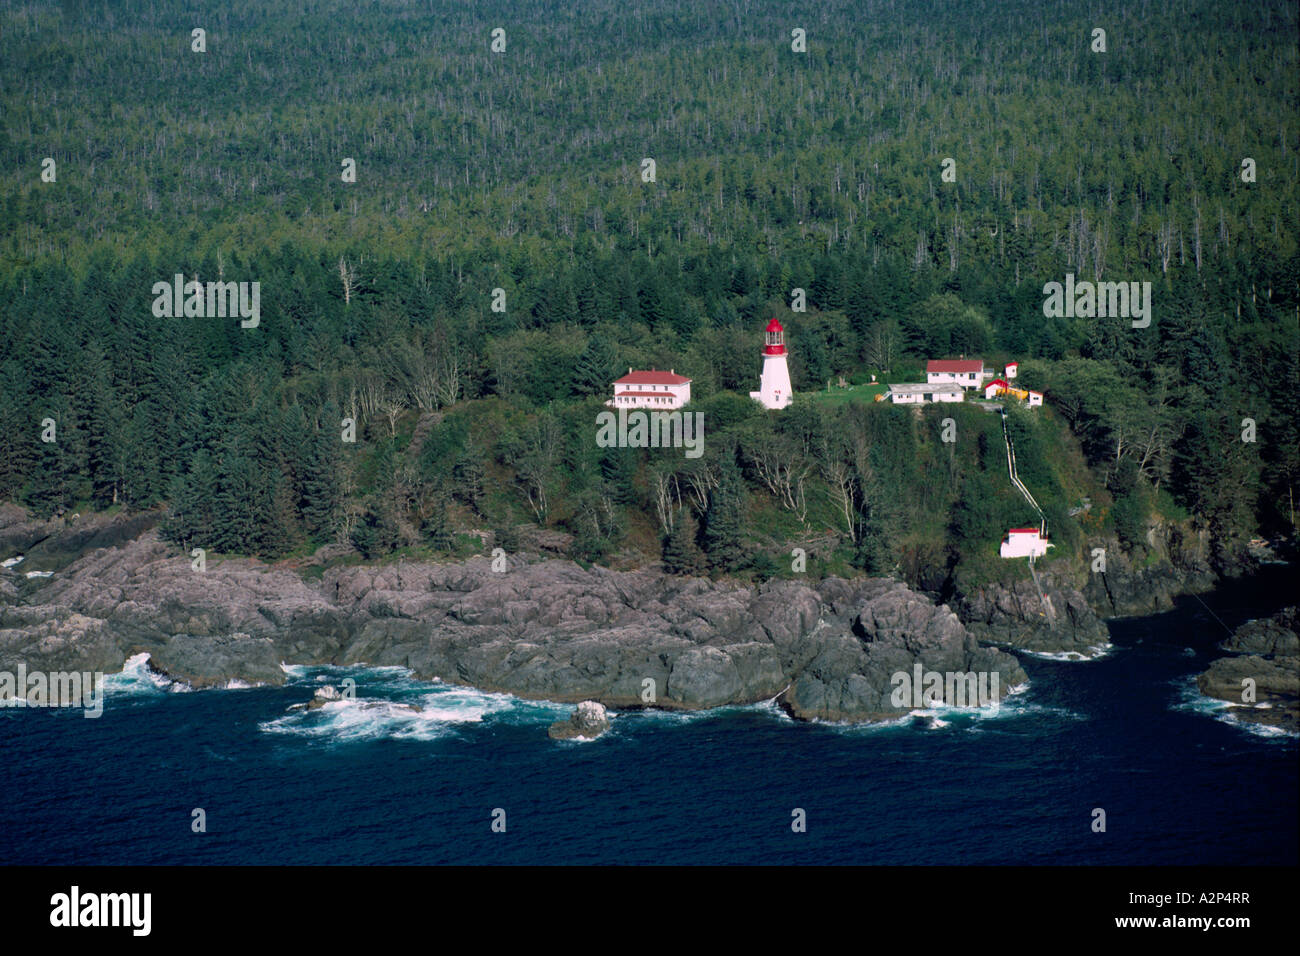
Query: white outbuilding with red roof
point(1024, 543)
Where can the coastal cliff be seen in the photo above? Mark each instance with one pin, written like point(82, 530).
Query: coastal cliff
point(545, 628)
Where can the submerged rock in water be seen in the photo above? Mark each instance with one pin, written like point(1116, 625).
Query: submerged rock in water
point(323, 696)
point(587, 721)
point(330, 694)
point(1262, 679)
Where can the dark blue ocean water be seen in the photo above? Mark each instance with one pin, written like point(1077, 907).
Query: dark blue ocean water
point(373, 783)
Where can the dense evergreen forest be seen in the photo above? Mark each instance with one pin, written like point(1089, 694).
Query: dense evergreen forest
point(522, 171)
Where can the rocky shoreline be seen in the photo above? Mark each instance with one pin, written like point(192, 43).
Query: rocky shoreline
point(1261, 678)
point(546, 628)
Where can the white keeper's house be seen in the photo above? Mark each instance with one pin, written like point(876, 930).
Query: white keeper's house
point(651, 389)
point(968, 373)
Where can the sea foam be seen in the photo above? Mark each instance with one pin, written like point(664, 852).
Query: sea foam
point(138, 679)
point(1188, 697)
point(392, 704)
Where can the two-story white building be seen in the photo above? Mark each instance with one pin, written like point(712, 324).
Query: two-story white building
point(651, 389)
point(968, 373)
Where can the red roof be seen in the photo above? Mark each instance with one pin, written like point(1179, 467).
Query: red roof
point(775, 326)
point(997, 381)
point(642, 394)
point(652, 378)
point(954, 365)
point(1023, 531)
point(1013, 365)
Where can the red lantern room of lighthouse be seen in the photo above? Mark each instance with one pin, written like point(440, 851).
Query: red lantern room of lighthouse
point(775, 339)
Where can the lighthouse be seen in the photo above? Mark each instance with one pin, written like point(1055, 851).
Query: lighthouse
point(774, 386)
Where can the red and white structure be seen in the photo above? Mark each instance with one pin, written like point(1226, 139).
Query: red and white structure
point(774, 386)
point(964, 372)
point(996, 387)
point(651, 389)
point(1024, 543)
point(1000, 386)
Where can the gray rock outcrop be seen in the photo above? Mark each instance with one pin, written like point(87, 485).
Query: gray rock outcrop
point(587, 722)
point(1015, 615)
point(545, 629)
point(1266, 658)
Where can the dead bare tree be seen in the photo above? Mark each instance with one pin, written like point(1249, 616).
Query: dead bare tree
point(782, 470)
point(368, 391)
point(881, 344)
point(701, 477)
point(348, 276)
point(841, 487)
point(1165, 244)
point(668, 498)
point(830, 451)
point(1196, 231)
point(535, 465)
point(392, 407)
point(449, 375)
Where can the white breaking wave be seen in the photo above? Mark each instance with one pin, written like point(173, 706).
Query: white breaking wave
point(10, 562)
point(344, 720)
point(1189, 698)
point(1232, 716)
point(659, 715)
point(391, 704)
point(1014, 704)
point(866, 728)
point(932, 719)
point(137, 678)
point(40, 574)
point(1095, 653)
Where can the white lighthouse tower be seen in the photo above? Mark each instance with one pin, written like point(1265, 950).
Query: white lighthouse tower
point(774, 387)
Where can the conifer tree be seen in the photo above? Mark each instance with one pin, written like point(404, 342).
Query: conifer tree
point(680, 553)
point(191, 516)
point(724, 520)
point(106, 452)
point(321, 499)
point(437, 529)
point(594, 370)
